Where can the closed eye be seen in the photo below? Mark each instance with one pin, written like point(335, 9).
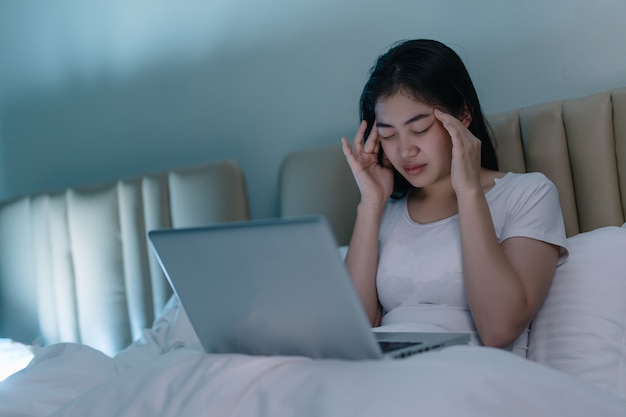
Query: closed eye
point(419, 132)
point(386, 133)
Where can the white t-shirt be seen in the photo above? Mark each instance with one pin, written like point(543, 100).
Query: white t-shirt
point(420, 274)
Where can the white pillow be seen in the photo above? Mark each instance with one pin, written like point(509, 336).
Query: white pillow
point(581, 327)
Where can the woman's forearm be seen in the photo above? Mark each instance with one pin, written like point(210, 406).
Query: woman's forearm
point(495, 293)
point(362, 257)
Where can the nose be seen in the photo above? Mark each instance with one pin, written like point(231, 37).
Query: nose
point(408, 147)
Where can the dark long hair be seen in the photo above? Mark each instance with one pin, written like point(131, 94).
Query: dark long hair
point(432, 73)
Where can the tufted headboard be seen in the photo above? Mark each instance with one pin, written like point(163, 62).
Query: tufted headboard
point(580, 144)
point(75, 265)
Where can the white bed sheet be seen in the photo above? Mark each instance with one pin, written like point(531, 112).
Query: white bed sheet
point(166, 374)
point(13, 357)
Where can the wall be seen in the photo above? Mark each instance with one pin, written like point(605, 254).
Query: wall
point(91, 91)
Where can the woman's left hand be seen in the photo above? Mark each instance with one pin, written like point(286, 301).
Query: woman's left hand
point(465, 167)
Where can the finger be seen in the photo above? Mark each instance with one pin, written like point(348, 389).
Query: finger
point(347, 150)
point(358, 138)
point(350, 158)
point(373, 142)
point(452, 125)
point(448, 119)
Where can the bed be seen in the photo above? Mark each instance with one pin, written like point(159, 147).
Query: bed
point(137, 354)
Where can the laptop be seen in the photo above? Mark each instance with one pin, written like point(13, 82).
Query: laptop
point(276, 287)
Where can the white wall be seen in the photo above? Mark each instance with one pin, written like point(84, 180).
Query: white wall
point(93, 91)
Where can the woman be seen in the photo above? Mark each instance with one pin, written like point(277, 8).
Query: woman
point(459, 245)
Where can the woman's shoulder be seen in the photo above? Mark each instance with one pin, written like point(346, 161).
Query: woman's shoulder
point(513, 186)
point(526, 179)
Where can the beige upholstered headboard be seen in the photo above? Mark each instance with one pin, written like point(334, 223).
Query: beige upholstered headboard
point(580, 144)
point(75, 266)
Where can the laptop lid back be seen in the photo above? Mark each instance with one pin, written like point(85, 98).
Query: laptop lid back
point(266, 287)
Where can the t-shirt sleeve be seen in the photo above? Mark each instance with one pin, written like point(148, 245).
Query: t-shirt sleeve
point(536, 213)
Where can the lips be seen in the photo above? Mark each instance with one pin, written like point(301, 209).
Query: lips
point(414, 169)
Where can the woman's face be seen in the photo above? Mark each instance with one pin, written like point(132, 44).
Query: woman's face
point(413, 140)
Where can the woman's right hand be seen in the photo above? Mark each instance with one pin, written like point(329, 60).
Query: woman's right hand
point(375, 182)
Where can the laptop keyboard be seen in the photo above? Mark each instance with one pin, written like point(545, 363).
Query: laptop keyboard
point(390, 346)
